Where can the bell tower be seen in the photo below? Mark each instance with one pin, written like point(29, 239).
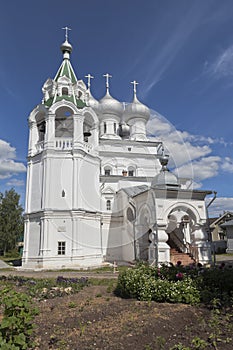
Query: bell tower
point(62, 210)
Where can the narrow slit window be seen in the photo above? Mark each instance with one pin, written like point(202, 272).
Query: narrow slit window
point(108, 204)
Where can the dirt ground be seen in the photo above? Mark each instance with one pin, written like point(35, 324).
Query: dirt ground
point(96, 319)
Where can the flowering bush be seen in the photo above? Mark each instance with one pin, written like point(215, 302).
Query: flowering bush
point(147, 283)
point(177, 284)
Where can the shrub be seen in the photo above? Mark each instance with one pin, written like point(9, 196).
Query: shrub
point(16, 326)
point(145, 283)
point(177, 284)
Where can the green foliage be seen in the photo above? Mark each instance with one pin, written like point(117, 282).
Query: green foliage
point(198, 343)
point(143, 283)
point(16, 326)
point(177, 284)
point(11, 220)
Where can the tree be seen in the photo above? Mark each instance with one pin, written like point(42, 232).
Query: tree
point(11, 220)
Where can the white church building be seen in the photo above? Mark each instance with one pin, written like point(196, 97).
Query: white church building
point(98, 189)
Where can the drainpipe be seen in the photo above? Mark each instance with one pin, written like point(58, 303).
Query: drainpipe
point(215, 195)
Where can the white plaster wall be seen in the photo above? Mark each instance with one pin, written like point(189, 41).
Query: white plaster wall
point(60, 179)
point(88, 185)
point(34, 238)
point(35, 187)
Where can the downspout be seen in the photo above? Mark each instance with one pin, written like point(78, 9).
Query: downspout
point(155, 226)
point(215, 195)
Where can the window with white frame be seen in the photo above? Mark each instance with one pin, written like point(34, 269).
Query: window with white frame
point(61, 248)
point(108, 204)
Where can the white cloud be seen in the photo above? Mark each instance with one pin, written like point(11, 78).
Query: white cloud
point(220, 205)
point(222, 66)
point(179, 144)
point(227, 165)
point(8, 166)
point(15, 183)
point(191, 156)
point(201, 169)
point(6, 150)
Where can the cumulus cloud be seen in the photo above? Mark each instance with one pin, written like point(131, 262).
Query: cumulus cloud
point(220, 205)
point(191, 156)
point(227, 165)
point(8, 165)
point(201, 169)
point(180, 145)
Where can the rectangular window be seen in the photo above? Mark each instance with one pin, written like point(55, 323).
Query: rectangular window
point(131, 173)
point(107, 172)
point(115, 128)
point(105, 128)
point(61, 248)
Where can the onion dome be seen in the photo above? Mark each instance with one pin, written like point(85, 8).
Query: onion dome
point(124, 130)
point(136, 109)
point(66, 47)
point(93, 103)
point(109, 105)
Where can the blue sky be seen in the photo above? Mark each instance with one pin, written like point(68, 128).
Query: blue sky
point(180, 52)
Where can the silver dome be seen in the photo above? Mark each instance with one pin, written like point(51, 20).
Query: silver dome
point(109, 105)
point(93, 103)
point(165, 179)
point(136, 109)
point(66, 47)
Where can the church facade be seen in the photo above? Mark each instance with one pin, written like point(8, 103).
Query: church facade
point(98, 190)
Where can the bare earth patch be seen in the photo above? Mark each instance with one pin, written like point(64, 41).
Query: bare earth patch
point(96, 319)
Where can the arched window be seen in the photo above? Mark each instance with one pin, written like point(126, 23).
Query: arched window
point(108, 204)
point(64, 91)
point(107, 171)
point(131, 171)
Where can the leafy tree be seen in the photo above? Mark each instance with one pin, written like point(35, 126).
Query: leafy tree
point(11, 220)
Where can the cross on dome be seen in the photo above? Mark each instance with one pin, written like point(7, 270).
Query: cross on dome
point(89, 77)
point(107, 76)
point(135, 83)
point(66, 32)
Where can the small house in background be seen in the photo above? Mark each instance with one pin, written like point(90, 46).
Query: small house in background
point(228, 227)
point(219, 232)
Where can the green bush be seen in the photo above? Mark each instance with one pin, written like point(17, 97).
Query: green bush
point(16, 326)
point(175, 284)
point(143, 283)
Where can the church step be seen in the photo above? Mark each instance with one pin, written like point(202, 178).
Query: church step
point(183, 257)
